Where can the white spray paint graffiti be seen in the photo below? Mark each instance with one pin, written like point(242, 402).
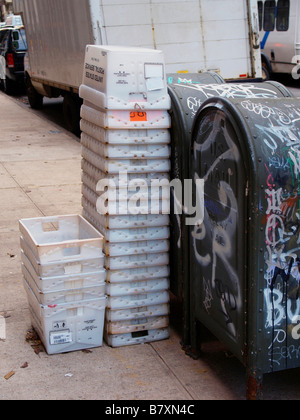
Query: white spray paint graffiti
point(199, 94)
point(219, 230)
point(203, 92)
point(220, 226)
point(279, 208)
point(280, 135)
point(276, 311)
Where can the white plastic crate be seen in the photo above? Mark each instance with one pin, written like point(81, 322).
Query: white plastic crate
point(132, 103)
point(121, 221)
point(136, 166)
point(136, 301)
point(138, 190)
point(137, 313)
point(125, 222)
point(115, 120)
point(138, 274)
point(137, 287)
point(134, 235)
point(126, 137)
point(122, 236)
point(61, 238)
point(122, 180)
point(136, 261)
point(115, 203)
point(130, 195)
point(136, 325)
point(103, 207)
point(124, 151)
point(68, 327)
point(124, 76)
point(52, 269)
point(65, 282)
point(57, 297)
point(121, 340)
point(136, 248)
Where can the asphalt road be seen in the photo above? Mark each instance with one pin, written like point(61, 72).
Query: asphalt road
point(52, 109)
point(292, 85)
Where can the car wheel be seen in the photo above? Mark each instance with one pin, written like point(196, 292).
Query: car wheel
point(8, 86)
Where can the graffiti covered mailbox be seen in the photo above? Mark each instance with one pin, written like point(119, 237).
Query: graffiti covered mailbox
point(245, 255)
point(188, 92)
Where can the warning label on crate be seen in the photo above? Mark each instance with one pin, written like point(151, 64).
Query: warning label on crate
point(59, 325)
point(60, 337)
point(90, 325)
point(122, 76)
point(95, 73)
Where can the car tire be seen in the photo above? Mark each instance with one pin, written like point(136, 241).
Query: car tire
point(8, 86)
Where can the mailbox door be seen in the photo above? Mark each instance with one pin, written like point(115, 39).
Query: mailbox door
point(274, 264)
point(245, 256)
point(218, 244)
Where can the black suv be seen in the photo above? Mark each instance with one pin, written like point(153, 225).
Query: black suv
point(13, 47)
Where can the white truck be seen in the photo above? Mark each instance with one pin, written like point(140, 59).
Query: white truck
point(195, 36)
point(279, 25)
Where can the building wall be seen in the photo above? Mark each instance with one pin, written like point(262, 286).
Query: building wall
point(6, 7)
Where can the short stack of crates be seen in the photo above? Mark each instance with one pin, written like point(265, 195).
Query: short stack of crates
point(65, 280)
point(126, 150)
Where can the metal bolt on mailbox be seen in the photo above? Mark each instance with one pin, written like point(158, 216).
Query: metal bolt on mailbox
point(245, 256)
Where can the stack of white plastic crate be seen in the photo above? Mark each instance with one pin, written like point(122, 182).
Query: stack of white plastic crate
point(64, 278)
point(126, 146)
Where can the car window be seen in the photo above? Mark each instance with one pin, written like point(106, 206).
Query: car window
point(21, 44)
point(4, 41)
point(260, 14)
point(270, 16)
point(283, 15)
point(2, 34)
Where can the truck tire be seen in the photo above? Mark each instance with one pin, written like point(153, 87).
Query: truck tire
point(34, 98)
point(71, 109)
point(266, 70)
point(265, 73)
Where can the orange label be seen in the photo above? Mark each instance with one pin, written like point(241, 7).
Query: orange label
point(138, 116)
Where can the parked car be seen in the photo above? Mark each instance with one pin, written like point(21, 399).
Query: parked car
point(13, 47)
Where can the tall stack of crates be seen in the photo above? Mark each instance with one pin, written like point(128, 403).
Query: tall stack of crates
point(126, 151)
point(64, 278)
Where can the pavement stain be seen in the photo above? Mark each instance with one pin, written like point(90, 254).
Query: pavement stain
point(34, 341)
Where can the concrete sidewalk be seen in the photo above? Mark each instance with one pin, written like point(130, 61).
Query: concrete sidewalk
point(40, 170)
